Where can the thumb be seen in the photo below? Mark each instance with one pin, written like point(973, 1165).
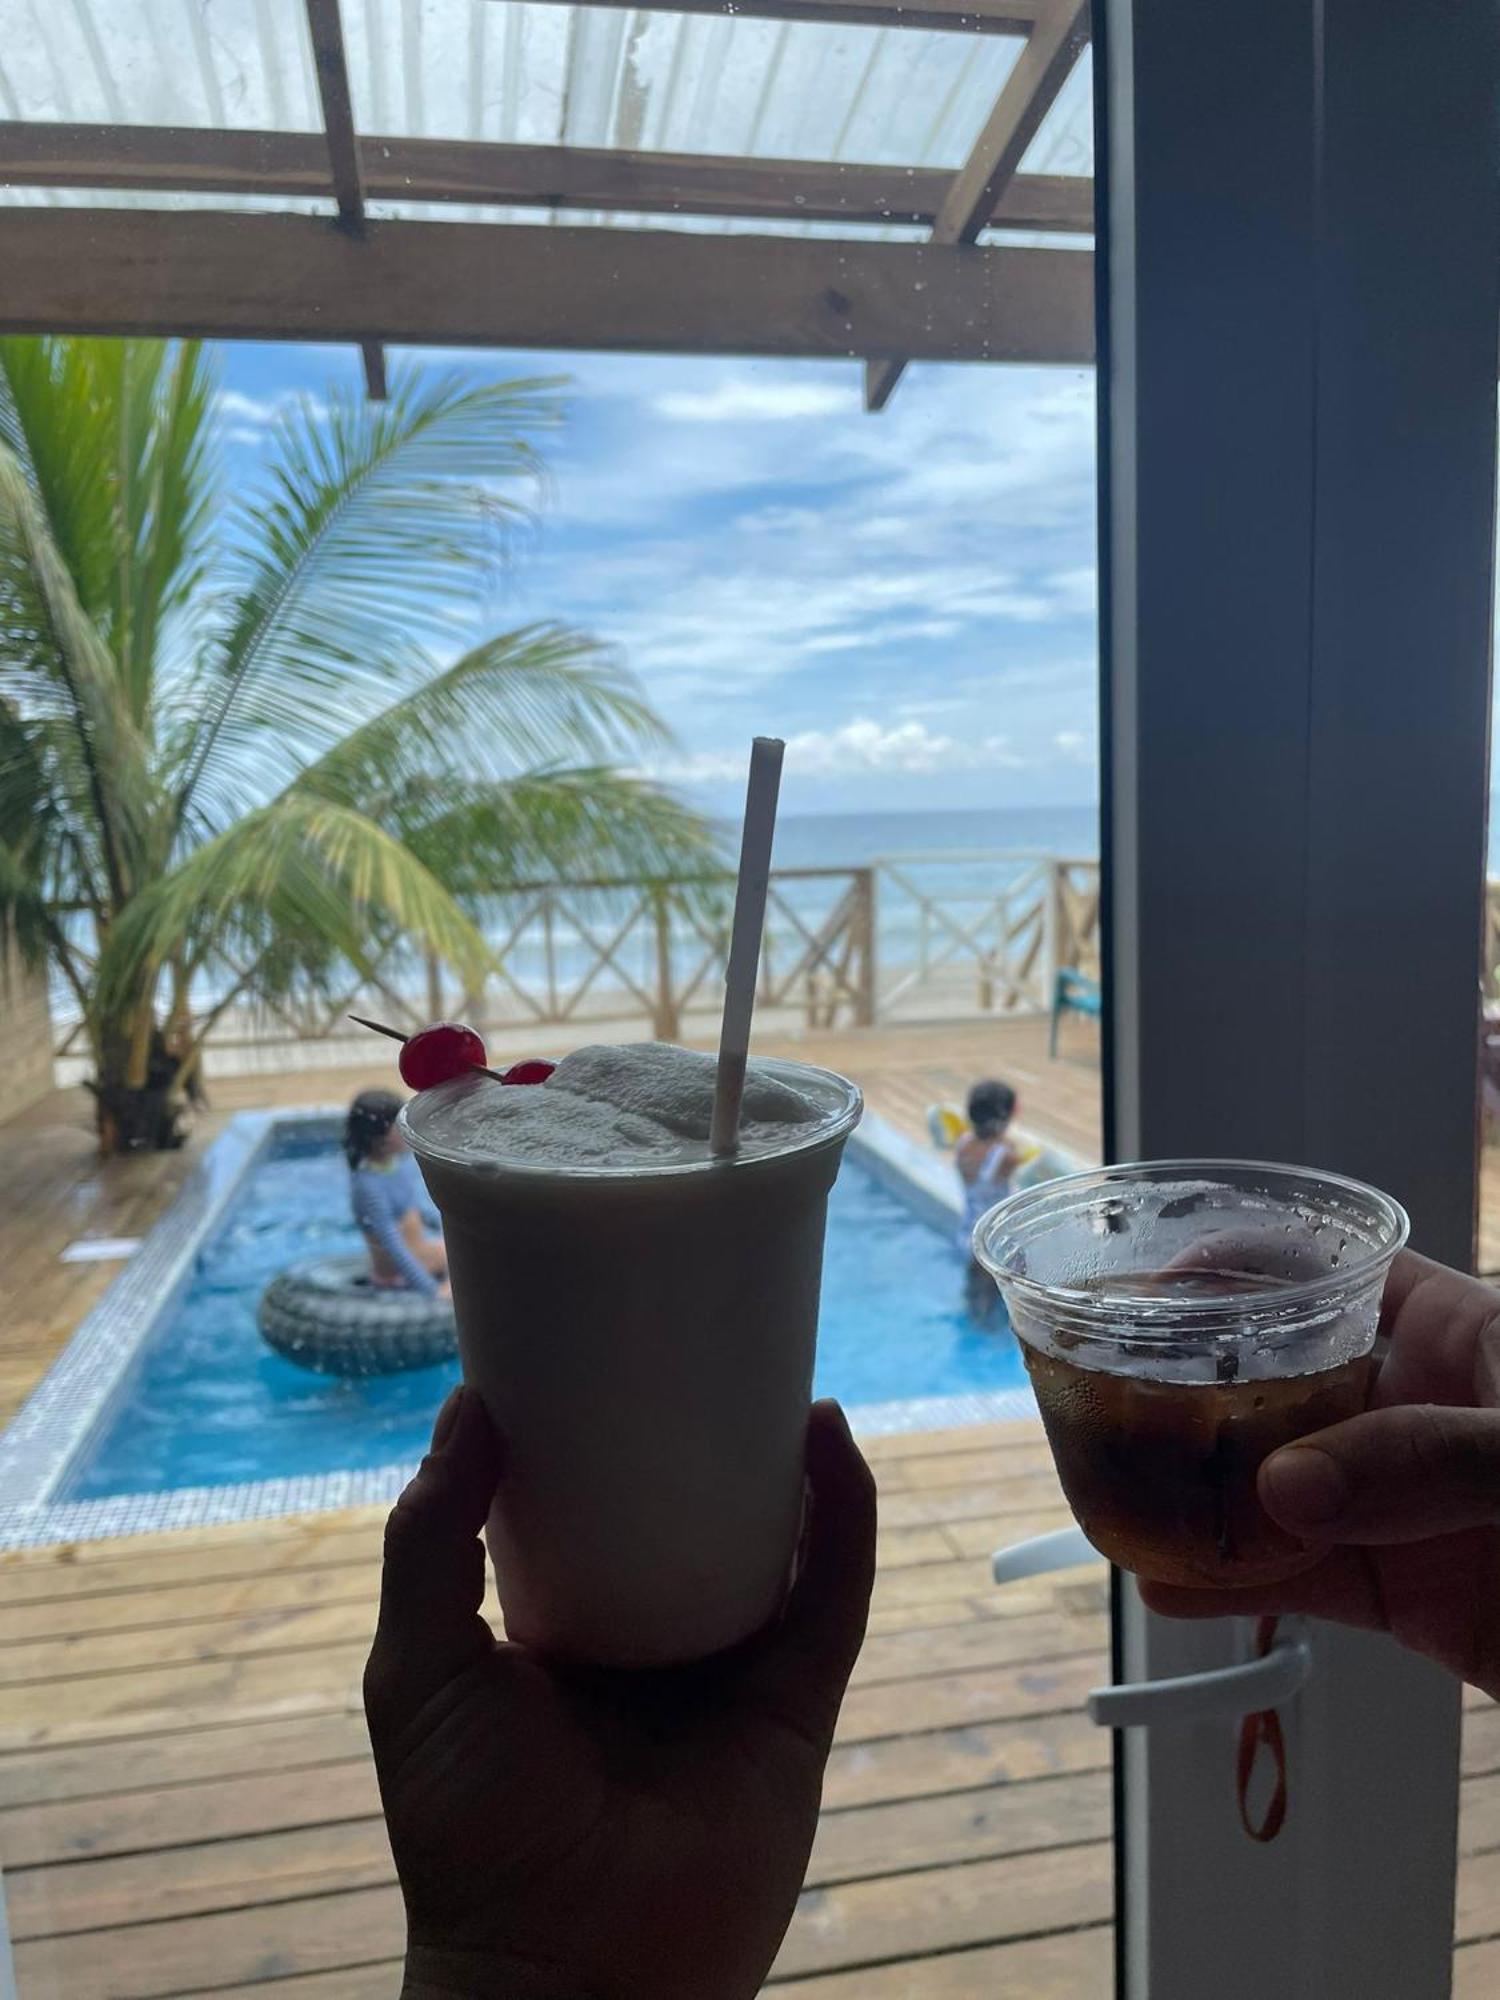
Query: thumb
point(1396, 1475)
point(807, 1661)
point(432, 1580)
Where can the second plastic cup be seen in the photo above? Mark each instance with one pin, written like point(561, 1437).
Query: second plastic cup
point(1181, 1320)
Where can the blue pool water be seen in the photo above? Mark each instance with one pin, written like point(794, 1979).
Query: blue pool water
point(209, 1404)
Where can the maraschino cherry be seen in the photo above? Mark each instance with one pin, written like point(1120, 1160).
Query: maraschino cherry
point(434, 1055)
point(534, 1069)
point(448, 1049)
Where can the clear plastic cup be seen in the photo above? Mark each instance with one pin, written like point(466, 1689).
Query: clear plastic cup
point(1181, 1320)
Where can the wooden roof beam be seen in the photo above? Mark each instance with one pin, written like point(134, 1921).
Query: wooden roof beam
point(967, 17)
point(289, 277)
point(1030, 91)
point(326, 29)
point(187, 159)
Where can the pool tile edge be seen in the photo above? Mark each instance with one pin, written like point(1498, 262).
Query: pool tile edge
point(329, 1492)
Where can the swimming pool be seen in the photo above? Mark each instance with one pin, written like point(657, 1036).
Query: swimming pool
point(206, 1404)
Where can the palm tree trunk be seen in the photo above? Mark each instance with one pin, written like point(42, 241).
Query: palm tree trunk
point(137, 1096)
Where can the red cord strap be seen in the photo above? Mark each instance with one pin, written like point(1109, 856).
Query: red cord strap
point(1255, 1730)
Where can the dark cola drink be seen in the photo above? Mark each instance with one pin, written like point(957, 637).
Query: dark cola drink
point(1162, 1474)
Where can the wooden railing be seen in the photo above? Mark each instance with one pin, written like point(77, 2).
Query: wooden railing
point(909, 938)
point(1490, 961)
point(988, 933)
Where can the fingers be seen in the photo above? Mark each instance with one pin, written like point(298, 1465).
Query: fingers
point(807, 1662)
point(1342, 1587)
point(1394, 1475)
point(1444, 1331)
point(432, 1582)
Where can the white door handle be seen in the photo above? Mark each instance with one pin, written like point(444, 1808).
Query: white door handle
point(1064, 1548)
point(1231, 1691)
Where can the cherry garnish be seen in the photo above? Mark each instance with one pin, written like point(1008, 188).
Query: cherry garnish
point(439, 1053)
point(534, 1069)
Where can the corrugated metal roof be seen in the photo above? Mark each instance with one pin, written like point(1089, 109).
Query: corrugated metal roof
point(531, 74)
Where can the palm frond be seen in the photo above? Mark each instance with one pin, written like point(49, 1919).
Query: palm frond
point(595, 824)
point(303, 870)
point(166, 493)
point(540, 696)
point(54, 666)
point(59, 423)
point(376, 526)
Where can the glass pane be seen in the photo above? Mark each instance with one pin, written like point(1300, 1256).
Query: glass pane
point(645, 560)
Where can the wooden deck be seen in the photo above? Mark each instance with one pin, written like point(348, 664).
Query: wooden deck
point(187, 1805)
point(186, 1800)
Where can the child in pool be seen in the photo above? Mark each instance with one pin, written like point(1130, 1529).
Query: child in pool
point(986, 1159)
point(389, 1201)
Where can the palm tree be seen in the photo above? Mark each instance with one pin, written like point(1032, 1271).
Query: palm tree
point(251, 741)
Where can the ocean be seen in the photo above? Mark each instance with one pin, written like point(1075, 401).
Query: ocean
point(846, 840)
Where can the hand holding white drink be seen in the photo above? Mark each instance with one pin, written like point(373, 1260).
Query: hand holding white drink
point(635, 1246)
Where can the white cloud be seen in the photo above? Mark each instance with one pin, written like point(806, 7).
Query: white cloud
point(1075, 590)
point(860, 746)
point(254, 409)
point(1075, 746)
point(252, 416)
point(739, 402)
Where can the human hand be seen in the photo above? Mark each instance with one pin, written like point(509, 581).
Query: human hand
point(1406, 1496)
point(563, 1834)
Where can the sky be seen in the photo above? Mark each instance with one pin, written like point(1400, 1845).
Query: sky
point(908, 598)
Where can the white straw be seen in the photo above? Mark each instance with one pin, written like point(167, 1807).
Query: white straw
point(744, 942)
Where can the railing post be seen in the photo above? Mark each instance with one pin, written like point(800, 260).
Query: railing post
point(1053, 926)
point(862, 918)
point(665, 1025)
point(549, 954)
point(434, 987)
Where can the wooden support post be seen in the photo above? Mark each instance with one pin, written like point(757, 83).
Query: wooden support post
point(665, 1024)
point(1029, 94)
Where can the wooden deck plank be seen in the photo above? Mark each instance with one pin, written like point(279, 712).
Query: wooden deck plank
point(362, 1982)
point(1478, 1912)
point(942, 1909)
point(1479, 1814)
point(1078, 1965)
point(227, 1808)
point(903, 1656)
point(147, 1961)
point(102, 1767)
point(1476, 1971)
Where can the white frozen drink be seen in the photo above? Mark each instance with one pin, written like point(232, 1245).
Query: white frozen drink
point(640, 1320)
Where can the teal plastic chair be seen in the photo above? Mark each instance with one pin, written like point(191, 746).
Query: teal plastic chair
point(1075, 993)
